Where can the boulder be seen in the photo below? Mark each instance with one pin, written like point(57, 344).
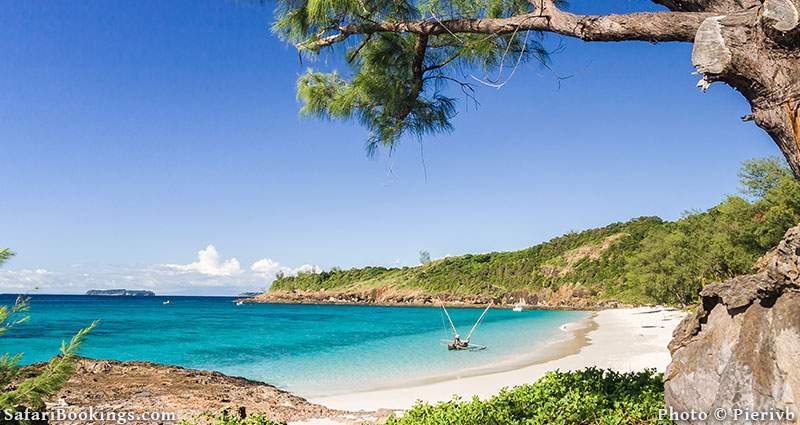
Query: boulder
point(740, 351)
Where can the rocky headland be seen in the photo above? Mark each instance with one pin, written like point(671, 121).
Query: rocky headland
point(141, 387)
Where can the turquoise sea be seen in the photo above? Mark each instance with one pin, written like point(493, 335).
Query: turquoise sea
point(312, 350)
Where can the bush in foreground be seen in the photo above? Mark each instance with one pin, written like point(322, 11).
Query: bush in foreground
point(226, 418)
point(590, 396)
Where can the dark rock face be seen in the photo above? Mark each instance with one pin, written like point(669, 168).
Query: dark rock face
point(741, 350)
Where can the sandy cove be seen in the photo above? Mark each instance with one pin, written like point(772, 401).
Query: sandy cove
point(623, 339)
point(620, 339)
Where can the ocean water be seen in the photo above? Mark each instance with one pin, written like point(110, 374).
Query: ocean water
point(312, 350)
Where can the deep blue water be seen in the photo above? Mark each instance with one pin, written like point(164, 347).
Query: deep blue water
point(309, 349)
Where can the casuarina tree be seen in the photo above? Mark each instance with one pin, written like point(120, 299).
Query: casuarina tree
point(406, 55)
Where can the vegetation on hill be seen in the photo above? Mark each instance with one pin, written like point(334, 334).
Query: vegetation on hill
point(644, 260)
point(594, 255)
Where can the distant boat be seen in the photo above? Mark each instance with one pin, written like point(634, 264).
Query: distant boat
point(167, 302)
point(517, 308)
point(239, 302)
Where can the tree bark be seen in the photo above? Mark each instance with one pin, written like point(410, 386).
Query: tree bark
point(653, 27)
point(757, 52)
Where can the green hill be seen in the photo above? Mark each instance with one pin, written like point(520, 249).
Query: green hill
point(645, 260)
point(594, 256)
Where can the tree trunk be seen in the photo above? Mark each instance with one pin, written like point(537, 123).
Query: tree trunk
point(757, 51)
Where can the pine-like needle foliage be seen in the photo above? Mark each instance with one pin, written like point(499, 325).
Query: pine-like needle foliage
point(21, 388)
point(33, 391)
point(395, 83)
point(5, 254)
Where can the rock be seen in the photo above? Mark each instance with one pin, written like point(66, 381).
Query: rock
point(140, 387)
point(568, 296)
point(740, 349)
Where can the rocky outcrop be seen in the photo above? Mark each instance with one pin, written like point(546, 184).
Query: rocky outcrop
point(740, 352)
point(565, 264)
point(141, 388)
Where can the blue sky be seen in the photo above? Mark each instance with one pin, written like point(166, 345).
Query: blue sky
point(135, 134)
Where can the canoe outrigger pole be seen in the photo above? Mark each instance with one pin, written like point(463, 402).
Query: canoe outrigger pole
point(463, 344)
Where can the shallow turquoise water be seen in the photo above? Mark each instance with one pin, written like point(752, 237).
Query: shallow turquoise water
point(312, 350)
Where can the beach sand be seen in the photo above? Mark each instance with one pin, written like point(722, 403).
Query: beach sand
point(621, 339)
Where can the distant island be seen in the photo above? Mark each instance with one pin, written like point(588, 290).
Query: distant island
point(120, 293)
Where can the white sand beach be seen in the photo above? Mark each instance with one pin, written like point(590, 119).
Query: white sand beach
point(621, 339)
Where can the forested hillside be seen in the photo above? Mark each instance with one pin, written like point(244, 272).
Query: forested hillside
point(644, 260)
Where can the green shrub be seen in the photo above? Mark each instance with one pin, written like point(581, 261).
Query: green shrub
point(587, 397)
point(225, 418)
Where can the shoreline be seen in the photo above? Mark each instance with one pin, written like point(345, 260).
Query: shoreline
point(569, 297)
point(553, 349)
point(424, 305)
point(588, 306)
point(620, 339)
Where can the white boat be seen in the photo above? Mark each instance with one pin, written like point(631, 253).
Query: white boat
point(239, 302)
point(167, 302)
point(517, 308)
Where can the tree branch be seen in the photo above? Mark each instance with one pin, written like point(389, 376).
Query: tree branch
point(418, 71)
point(652, 27)
point(445, 62)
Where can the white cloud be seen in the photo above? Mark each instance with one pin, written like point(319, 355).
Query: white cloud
point(208, 263)
point(268, 267)
point(305, 268)
point(23, 279)
point(208, 275)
